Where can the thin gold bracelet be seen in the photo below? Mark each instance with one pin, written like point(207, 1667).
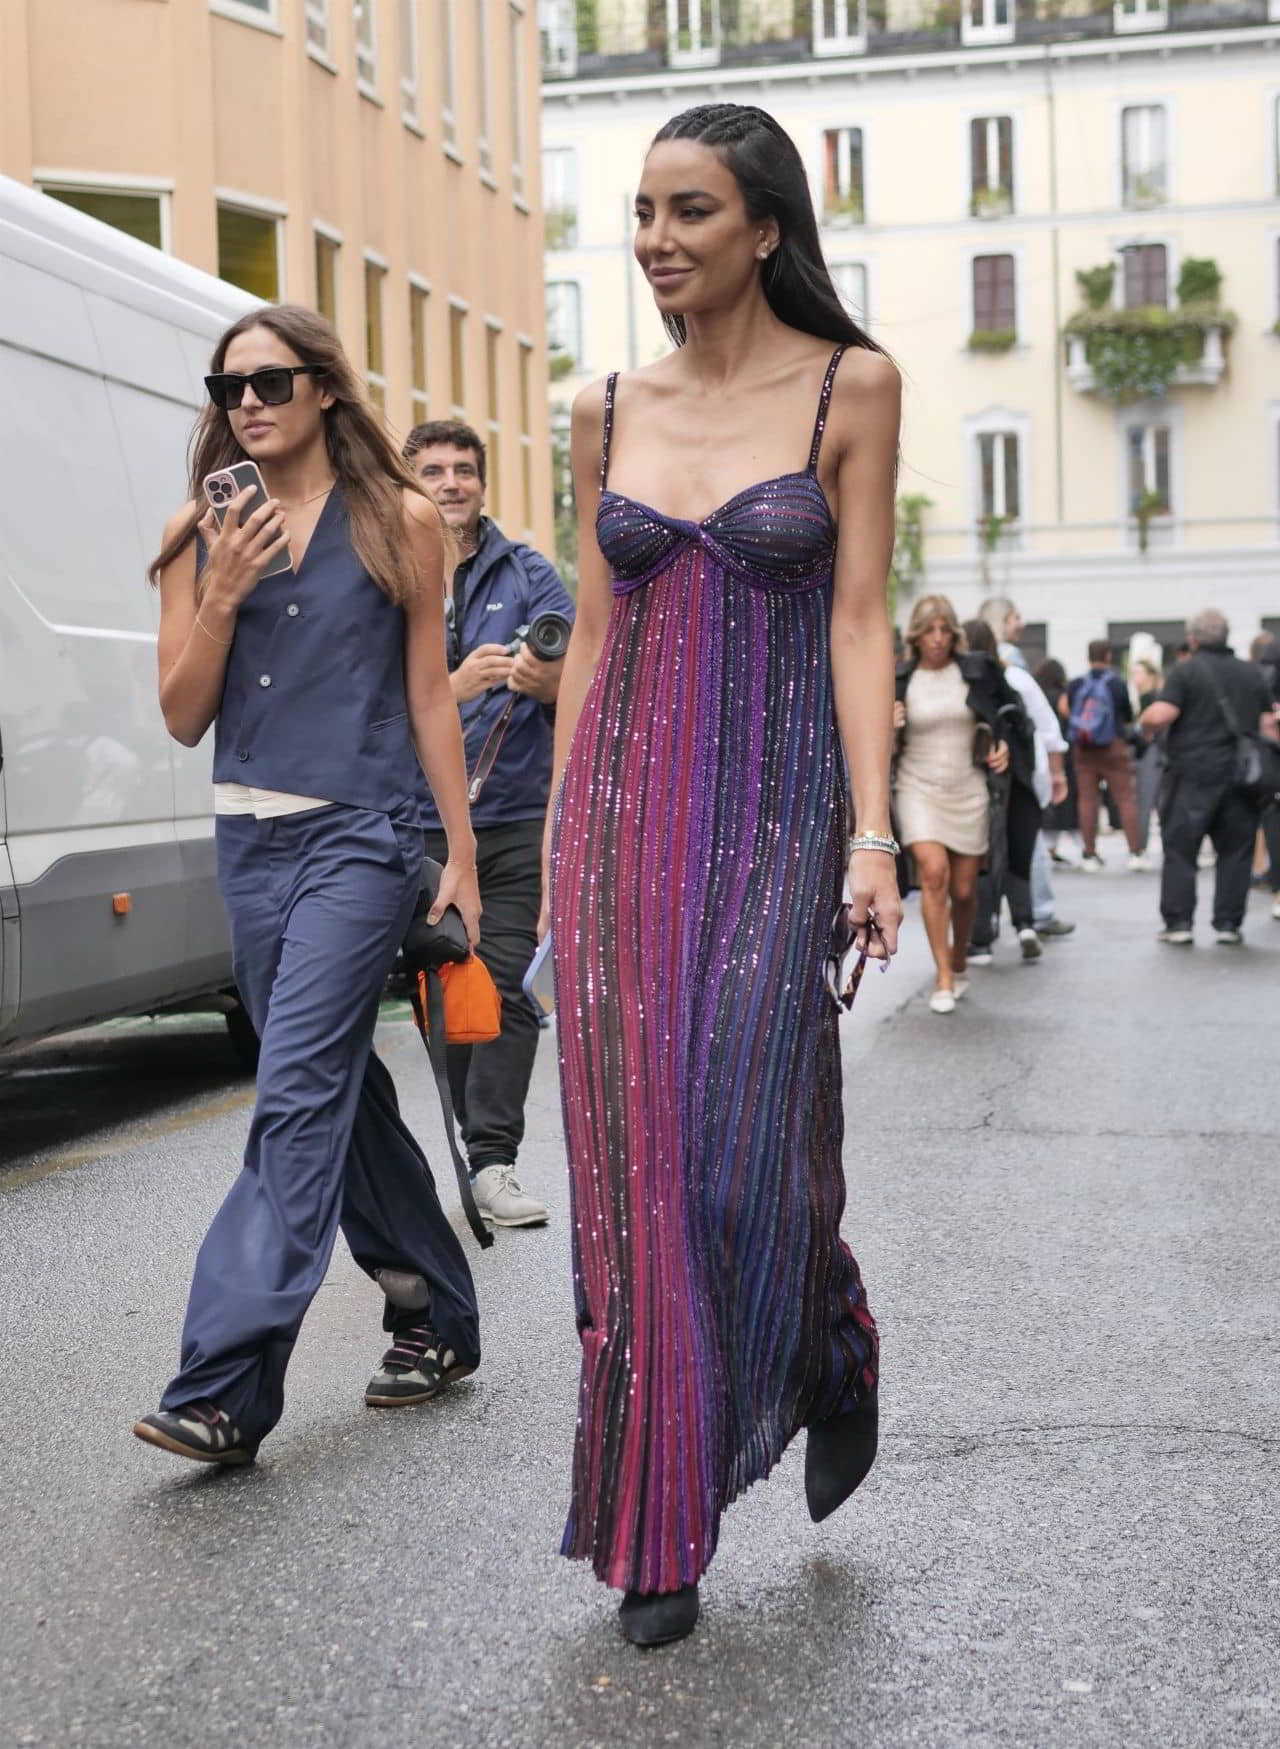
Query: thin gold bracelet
point(225, 643)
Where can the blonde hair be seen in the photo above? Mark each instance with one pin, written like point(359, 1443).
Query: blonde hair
point(934, 607)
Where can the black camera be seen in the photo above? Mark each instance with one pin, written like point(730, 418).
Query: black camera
point(547, 636)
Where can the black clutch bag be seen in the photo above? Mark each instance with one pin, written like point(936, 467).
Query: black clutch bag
point(434, 944)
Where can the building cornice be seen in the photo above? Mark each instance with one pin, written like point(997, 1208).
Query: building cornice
point(956, 61)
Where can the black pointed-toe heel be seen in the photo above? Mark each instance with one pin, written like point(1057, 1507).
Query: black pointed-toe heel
point(656, 1618)
point(838, 1454)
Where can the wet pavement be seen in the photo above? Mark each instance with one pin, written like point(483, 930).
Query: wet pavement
point(1066, 1202)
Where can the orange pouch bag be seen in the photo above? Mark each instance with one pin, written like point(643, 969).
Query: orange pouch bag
point(472, 1005)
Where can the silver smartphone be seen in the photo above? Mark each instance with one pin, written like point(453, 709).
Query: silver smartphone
point(225, 485)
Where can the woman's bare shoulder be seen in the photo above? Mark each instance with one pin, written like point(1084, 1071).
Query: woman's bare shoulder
point(867, 376)
point(179, 521)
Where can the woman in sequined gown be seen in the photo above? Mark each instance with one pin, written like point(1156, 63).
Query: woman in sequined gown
point(730, 674)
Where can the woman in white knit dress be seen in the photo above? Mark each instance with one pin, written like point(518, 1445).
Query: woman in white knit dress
point(940, 791)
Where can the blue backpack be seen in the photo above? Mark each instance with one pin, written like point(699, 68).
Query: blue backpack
point(1092, 722)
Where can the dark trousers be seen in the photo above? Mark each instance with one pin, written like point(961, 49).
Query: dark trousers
point(997, 881)
point(1271, 833)
point(318, 904)
point(1192, 809)
point(490, 1083)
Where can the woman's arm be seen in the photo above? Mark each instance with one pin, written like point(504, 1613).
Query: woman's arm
point(196, 631)
point(433, 713)
point(866, 410)
point(594, 604)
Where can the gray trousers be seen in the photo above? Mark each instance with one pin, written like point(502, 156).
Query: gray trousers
point(318, 903)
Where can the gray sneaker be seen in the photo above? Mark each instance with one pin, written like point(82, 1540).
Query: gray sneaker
point(502, 1202)
point(1176, 937)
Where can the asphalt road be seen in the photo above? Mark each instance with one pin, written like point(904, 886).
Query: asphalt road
point(1065, 1200)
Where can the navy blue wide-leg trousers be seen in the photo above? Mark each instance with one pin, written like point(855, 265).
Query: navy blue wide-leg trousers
point(319, 903)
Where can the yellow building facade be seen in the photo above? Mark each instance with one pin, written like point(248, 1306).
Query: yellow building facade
point(375, 159)
point(1106, 450)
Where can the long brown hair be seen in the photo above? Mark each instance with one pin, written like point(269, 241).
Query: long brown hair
point(366, 463)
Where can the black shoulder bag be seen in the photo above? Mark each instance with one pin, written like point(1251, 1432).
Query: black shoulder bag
point(1257, 759)
point(427, 947)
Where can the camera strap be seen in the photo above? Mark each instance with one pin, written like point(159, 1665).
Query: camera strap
point(490, 751)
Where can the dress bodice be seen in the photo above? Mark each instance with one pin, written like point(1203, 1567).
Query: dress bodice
point(778, 534)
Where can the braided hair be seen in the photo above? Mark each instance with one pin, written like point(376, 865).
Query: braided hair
point(769, 171)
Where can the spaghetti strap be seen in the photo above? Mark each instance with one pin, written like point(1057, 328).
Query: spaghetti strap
point(610, 389)
point(819, 424)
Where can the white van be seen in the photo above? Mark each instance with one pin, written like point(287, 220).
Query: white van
point(108, 902)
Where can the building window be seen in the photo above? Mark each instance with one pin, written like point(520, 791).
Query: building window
point(560, 197)
point(448, 74)
point(987, 21)
point(367, 47)
point(493, 413)
point(850, 281)
point(418, 351)
point(135, 213)
point(999, 496)
point(693, 32)
point(1145, 268)
point(317, 21)
point(564, 326)
point(558, 38)
point(1144, 169)
point(1275, 140)
point(843, 194)
point(991, 166)
point(1131, 15)
point(1148, 475)
point(458, 358)
point(839, 27)
point(246, 11)
point(515, 28)
point(374, 351)
point(327, 247)
point(484, 125)
point(249, 251)
point(410, 109)
point(526, 434)
point(995, 314)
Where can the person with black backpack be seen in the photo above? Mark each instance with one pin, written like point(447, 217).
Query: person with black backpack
point(1222, 765)
point(1100, 728)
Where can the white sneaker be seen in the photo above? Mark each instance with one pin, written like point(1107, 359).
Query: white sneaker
point(1138, 864)
point(960, 988)
point(502, 1202)
point(1029, 942)
point(942, 1002)
point(984, 956)
point(1228, 937)
point(1091, 864)
point(1176, 937)
point(1275, 909)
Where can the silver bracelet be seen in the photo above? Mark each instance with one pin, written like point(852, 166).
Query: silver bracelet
point(873, 841)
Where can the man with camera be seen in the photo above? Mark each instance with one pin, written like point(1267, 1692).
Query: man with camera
point(508, 618)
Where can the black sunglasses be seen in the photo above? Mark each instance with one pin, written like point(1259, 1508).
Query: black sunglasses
point(273, 384)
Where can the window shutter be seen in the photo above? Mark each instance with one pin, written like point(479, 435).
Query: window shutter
point(1005, 128)
point(1011, 505)
point(977, 155)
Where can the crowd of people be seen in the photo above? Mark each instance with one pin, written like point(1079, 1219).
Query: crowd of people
point(996, 769)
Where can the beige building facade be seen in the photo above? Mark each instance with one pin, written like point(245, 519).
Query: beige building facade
point(374, 159)
point(1106, 449)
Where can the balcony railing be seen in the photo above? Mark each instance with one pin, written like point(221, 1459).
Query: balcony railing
point(580, 40)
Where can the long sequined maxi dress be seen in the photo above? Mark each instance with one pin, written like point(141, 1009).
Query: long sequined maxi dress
point(698, 864)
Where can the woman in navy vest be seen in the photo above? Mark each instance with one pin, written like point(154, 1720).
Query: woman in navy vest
point(329, 695)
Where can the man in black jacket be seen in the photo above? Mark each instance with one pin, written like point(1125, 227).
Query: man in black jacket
point(1206, 704)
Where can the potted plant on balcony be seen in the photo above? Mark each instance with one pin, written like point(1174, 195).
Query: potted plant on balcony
point(843, 209)
point(992, 340)
point(1139, 354)
point(1146, 505)
point(991, 203)
point(560, 227)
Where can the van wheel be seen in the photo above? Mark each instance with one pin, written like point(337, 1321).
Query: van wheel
point(244, 1040)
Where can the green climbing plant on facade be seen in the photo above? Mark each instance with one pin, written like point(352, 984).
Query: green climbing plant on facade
point(1135, 354)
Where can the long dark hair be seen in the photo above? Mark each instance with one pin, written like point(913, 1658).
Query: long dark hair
point(366, 463)
point(770, 173)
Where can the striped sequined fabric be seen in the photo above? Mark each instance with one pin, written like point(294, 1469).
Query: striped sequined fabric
point(697, 867)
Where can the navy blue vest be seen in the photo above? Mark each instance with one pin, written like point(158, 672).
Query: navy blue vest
point(314, 697)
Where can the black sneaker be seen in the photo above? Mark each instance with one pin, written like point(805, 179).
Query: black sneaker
point(416, 1367)
point(199, 1431)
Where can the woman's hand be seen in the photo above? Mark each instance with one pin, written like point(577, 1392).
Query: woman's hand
point(899, 714)
point(998, 758)
point(460, 886)
point(873, 891)
point(238, 556)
